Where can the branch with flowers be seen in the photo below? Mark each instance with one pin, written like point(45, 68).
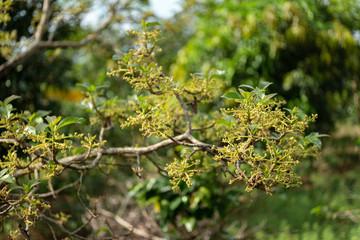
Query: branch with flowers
point(255, 141)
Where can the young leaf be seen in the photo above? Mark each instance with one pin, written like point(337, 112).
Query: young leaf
point(70, 120)
point(12, 188)
point(41, 127)
point(232, 96)
point(264, 85)
point(6, 177)
point(10, 99)
point(314, 138)
point(53, 120)
point(246, 95)
point(6, 110)
point(150, 67)
point(51, 162)
point(269, 96)
point(143, 23)
point(138, 67)
point(175, 203)
point(3, 112)
point(150, 24)
point(224, 122)
point(116, 57)
point(30, 130)
point(38, 115)
point(245, 85)
point(2, 172)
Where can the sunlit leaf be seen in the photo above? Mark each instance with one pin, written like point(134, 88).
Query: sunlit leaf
point(30, 130)
point(10, 99)
point(150, 24)
point(189, 223)
point(264, 85)
point(269, 96)
point(224, 122)
point(53, 119)
point(247, 86)
point(70, 120)
point(4, 176)
point(232, 95)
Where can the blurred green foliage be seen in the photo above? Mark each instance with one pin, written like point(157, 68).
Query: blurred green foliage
point(308, 49)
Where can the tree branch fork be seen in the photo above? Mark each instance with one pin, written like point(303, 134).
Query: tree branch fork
point(185, 139)
point(38, 43)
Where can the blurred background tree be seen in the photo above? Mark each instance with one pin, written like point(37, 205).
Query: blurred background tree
point(308, 49)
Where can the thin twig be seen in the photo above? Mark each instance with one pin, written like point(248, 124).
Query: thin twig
point(78, 194)
point(62, 228)
point(226, 169)
point(51, 230)
point(186, 112)
point(54, 193)
point(160, 170)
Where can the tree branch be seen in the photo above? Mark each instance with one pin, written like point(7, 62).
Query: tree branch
point(119, 151)
point(38, 44)
point(40, 29)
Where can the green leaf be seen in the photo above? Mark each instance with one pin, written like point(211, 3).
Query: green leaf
point(314, 138)
point(52, 120)
point(143, 23)
point(261, 95)
point(41, 127)
point(101, 230)
point(37, 116)
point(6, 177)
point(246, 95)
point(51, 162)
point(253, 128)
point(10, 99)
point(269, 96)
point(33, 183)
point(189, 223)
point(232, 95)
point(2, 172)
point(245, 85)
point(83, 85)
point(175, 203)
point(3, 112)
point(150, 24)
point(30, 130)
point(264, 85)
point(12, 188)
point(116, 57)
point(151, 66)
point(127, 57)
point(141, 98)
point(224, 122)
point(70, 120)
point(138, 67)
point(6, 110)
